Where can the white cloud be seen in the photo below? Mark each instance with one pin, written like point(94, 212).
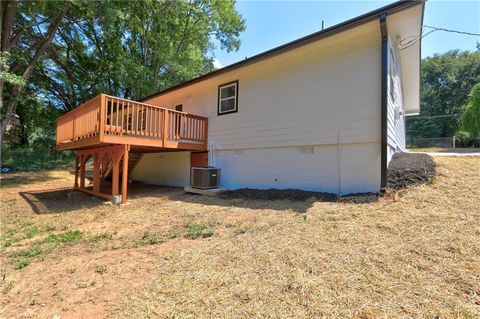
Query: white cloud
point(217, 64)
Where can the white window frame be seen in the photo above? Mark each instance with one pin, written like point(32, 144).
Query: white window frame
point(235, 97)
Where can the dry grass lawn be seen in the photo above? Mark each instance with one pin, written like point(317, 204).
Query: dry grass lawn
point(444, 150)
point(166, 254)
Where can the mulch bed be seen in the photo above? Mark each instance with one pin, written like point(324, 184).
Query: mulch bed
point(276, 194)
point(407, 169)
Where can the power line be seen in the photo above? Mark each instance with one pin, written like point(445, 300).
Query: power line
point(407, 42)
point(450, 30)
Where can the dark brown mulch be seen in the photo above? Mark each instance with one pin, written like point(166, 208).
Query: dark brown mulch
point(407, 169)
point(276, 194)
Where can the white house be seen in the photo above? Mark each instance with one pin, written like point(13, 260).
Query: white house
point(323, 113)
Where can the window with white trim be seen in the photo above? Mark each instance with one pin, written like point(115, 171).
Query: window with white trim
point(228, 98)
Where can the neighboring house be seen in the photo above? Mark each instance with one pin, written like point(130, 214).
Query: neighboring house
point(323, 113)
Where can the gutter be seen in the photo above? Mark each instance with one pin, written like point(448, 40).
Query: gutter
point(384, 103)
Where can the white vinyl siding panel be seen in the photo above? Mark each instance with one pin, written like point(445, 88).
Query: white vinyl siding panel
point(339, 169)
point(324, 95)
point(395, 120)
point(170, 169)
point(308, 96)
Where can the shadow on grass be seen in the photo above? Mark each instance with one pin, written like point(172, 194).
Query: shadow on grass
point(62, 200)
point(139, 190)
point(24, 179)
point(17, 179)
point(66, 199)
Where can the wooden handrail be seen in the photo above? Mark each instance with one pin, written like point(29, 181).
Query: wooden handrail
point(120, 118)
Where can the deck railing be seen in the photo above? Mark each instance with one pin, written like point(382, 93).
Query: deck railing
point(109, 119)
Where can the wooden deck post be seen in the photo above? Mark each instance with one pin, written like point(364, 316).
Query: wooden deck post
point(125, 174)
point(83, 161)
point(75, 184)
point(115, 172)
point(102, 117)
point(205, 135)
point(165, 127)
point(96, 173)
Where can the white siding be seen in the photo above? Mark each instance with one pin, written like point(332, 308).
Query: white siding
point(316, 95)
point(307, 96)
point(338, 169)
point(171, 169)
point(395, 118)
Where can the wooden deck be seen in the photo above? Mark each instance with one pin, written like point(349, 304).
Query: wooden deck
point(107, 129)
point(107, 120)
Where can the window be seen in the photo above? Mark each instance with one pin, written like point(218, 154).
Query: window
point(228, 98)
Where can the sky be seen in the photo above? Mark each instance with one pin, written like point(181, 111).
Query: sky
point(273, 23)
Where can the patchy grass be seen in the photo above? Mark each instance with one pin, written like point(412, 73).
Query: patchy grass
point(151, 238)
point(7, 287)
point(69, 237)
point(101, 269)
point(23, 257)
point(102, 236)
point(194, 231)
point(414, 253)
point(28, 252)
point(22, 263)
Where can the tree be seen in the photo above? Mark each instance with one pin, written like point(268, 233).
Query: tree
point(470, 120)
point(27, 30)
point(446, 83)
point(68, 52)
point(134, 48)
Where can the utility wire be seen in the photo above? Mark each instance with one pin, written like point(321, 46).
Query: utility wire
point(412, 40)
point(454, 31)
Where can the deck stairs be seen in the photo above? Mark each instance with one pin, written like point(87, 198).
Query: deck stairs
point(133, 160)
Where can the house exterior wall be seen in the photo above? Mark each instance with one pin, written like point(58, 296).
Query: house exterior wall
point(395, 117)
point(308, 118)
point(169, 169)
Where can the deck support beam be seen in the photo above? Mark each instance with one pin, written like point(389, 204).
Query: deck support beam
point(125, 173)
point(77, 167)
point(103, 157)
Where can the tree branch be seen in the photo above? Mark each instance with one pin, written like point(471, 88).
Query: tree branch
point(52, 29)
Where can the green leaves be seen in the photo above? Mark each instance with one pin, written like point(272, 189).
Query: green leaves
point(446, 82)
point(7, 76)
point(470, 120)
point(134, 48)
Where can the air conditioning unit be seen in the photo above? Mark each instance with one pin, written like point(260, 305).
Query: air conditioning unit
point(205, 177)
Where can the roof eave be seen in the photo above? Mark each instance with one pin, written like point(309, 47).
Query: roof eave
point(367, 17)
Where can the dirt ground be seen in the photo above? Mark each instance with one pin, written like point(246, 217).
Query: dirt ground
point(411, 253)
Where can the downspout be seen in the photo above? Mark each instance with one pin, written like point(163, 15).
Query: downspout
point(384, 102)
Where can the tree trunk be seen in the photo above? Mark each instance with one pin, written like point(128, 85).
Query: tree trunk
point(42, 46)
